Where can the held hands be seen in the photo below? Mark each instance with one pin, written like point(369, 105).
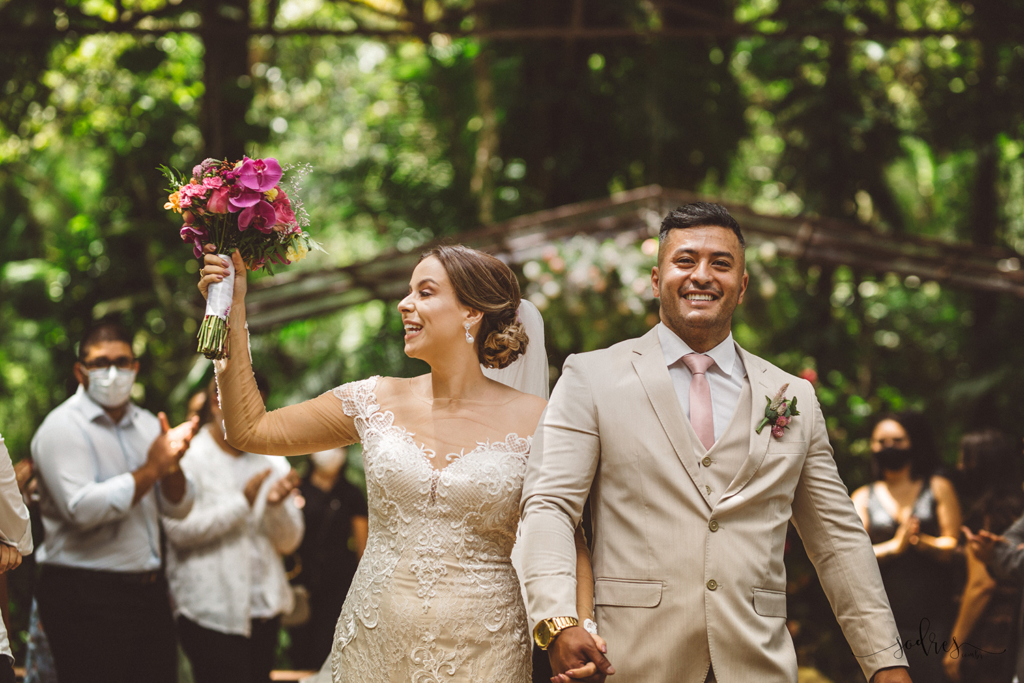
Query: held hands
point(10, 558)
point(166, 450)
point(897, 674)
point(982, 544)
point(214, 269)
point(579, 656)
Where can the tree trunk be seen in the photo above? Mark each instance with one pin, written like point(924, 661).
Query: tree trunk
point(482, 184)
point(225, 35)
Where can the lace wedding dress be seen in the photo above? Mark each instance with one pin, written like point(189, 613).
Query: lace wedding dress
point(435, 597)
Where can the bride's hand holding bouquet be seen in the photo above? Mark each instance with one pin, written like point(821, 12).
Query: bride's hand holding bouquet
point(238, 211)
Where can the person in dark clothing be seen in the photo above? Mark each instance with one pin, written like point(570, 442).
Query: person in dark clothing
point(989, 482)
point(336, 530)
point(913, 518)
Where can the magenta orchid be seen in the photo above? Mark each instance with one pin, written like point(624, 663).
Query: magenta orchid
point(260, 215)
point(260, 174)
point(242, 197)
point(195, 235)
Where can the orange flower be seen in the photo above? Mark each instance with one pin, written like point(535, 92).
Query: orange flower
point(174, 202)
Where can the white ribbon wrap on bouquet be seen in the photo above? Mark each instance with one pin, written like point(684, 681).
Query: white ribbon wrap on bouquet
point(218, 298)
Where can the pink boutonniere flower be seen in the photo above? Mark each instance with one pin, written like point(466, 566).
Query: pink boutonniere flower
point(779, 413)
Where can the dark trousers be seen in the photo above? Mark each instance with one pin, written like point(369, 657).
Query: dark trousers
point(227, 658)
point(6, 670)
point(108, 627)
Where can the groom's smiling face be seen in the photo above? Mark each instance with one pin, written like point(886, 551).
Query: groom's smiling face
point(700, 278)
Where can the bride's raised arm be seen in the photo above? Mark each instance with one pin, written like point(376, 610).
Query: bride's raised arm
point(315, 425)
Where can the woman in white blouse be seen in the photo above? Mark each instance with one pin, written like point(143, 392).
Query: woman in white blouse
point(224, 560)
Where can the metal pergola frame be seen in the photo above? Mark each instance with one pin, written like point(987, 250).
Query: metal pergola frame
point(633, 216)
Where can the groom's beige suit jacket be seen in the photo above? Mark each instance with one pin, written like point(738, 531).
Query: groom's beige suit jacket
point(687, 577)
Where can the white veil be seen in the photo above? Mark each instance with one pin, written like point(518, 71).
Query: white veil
point(529, 372)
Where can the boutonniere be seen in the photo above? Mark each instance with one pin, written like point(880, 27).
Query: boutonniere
point(779, 412)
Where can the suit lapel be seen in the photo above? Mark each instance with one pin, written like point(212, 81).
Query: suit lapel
point(757, 374)
point(649, 363)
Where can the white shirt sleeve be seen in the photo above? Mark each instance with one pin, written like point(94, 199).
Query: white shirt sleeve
point(60, 455)
point(15, 528)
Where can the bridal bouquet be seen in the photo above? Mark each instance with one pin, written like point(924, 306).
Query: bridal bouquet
point(238, 206)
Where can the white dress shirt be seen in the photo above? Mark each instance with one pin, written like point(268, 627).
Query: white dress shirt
point(85, 463)
point(224, 560)
point(725, 377)
point(15, 529)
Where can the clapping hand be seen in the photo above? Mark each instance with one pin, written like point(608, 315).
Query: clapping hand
point(579, 656)
point(907, 534)
point(167, 449)
point(983, 543)
point(282, 487)
point(10, 558)
point(252, 487)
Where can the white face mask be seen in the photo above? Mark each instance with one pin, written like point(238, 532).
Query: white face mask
point(329, 461)
point(110, 387)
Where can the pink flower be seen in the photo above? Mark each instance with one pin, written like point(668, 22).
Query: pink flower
point(285, 215)
point(782, 421)
point(259, 174)
point(218, 202)
point(260, 215)
point(778, 431)
point(213, 182)
point(197, 170)
point(189, 190)
point(190, 233)
point(242, 197)
point(809, 374)
point(185, 201)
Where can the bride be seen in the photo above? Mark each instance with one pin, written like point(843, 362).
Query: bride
point(435, 596)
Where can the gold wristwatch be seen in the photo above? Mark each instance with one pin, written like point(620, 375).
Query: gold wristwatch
point(546, 630)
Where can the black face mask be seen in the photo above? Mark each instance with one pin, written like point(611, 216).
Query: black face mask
point(893, 458)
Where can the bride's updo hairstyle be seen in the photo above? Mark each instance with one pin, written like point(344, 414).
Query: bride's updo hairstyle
point(485, 284)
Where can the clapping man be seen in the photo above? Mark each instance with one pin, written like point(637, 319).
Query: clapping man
point(107, 470)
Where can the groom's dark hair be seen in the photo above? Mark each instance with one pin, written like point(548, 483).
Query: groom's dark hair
point(699, 214)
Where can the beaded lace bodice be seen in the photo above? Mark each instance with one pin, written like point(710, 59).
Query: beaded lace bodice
point(435, 595)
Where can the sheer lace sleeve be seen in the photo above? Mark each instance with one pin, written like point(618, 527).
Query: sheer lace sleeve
point(314, 425)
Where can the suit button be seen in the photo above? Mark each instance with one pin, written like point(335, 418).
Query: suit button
point(706, 461)
point(713, 525)
point(712, 585)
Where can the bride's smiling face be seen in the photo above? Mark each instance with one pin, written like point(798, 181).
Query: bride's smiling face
point(432, 314)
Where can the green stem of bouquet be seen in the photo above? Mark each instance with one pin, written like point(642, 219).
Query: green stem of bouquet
point(213, 335)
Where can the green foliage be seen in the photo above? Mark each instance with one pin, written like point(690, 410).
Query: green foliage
point(914, 135)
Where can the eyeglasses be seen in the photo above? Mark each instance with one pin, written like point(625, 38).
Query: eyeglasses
point(102, 363)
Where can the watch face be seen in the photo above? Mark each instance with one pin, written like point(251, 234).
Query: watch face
point(542, 634)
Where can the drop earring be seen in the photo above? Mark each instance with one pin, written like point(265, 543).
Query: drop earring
point(469, 337)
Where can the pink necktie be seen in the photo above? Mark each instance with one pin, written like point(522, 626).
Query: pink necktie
point(701, 416)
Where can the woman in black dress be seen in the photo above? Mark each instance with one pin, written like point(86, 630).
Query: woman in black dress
point(913, 518)
point(336, 530)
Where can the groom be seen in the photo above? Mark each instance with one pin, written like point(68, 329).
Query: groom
point(690, 501)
